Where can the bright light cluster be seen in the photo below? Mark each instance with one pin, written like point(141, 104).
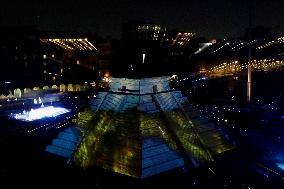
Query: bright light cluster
point(182, 39)
point(204, 46)
point(280, 166)
point(238, 46)
point(229, 68)
point(231, 46)
point(71, 44)
point(226, 44)
point(154, 29)
point(145, 27)
point(40, 113)
point(279, 40)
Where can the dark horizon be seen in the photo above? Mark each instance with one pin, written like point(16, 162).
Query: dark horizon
point(210, 19)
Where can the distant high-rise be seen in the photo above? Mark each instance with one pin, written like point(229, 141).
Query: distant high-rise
point(142, 31)
point(142, 50)
point(149, 49)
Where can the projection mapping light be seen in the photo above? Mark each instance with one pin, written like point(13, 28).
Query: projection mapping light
point(40, 113)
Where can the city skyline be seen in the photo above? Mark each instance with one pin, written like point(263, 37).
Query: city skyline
point(211, 19)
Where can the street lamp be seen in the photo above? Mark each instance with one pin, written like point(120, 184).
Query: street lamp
point(249, 56)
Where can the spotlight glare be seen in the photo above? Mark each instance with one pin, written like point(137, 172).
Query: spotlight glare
point(40, 113)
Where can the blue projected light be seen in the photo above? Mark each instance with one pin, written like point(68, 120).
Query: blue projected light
point(202, 78)
point(280, 166)
point(40, 113)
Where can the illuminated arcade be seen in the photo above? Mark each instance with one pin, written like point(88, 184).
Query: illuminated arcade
point(71, 44)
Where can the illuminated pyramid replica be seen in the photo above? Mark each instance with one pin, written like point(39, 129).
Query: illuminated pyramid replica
point(142, 128)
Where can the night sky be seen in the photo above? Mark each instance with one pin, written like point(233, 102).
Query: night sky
point(208, 18)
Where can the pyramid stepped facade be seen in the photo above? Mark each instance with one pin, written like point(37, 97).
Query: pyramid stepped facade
point(140, 128)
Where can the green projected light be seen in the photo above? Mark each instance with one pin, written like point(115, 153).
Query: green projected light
point(133, 135)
